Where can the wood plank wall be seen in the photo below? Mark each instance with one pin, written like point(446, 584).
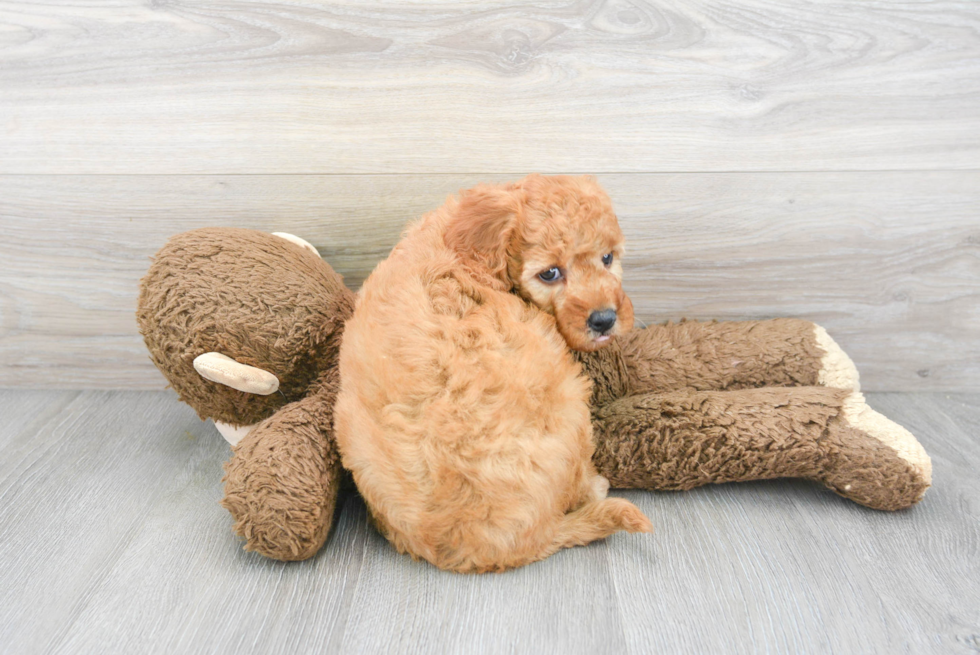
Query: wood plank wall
point(812, 159)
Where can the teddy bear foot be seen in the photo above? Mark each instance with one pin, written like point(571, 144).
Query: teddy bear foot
point(685, 439)
point(873, 460)
point(232, 434)
point(836, 368)
point(282, 481)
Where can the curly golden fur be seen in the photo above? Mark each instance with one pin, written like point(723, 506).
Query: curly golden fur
point(462, 413)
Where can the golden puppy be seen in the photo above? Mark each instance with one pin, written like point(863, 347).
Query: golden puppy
point(461, 412)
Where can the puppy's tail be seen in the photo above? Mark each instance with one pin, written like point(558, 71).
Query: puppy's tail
point(597, 520)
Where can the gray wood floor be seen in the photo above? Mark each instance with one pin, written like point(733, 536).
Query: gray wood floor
point(112, 541)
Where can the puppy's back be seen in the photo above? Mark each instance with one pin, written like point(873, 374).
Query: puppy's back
point(465, 420)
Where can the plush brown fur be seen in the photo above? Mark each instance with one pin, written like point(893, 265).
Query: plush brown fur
point(681, 439)
point(461, 413)
point(686, 404)
point(710, 356)
point(282, 483)
point(269, 303)
point(254, 297)
point(673, 406)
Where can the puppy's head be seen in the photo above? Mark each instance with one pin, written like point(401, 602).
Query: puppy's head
point(556, 241)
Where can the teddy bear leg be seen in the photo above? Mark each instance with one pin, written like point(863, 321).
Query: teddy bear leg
point(684, 439)
point(719, 356)
point(735, 355)
point(282, 482)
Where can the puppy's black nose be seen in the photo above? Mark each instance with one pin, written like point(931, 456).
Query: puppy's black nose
point(602, 322)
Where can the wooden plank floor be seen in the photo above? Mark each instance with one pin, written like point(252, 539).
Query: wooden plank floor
point(111, 541)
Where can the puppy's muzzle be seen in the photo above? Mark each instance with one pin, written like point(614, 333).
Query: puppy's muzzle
point(602, 321)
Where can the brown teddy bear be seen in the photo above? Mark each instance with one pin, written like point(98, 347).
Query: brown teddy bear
point(246, 327)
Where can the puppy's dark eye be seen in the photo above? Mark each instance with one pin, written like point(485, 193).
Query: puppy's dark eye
point(551, 275)
point(607, 259)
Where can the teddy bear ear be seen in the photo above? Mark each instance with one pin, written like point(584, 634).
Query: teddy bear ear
point(242, 377)
point(484, 225)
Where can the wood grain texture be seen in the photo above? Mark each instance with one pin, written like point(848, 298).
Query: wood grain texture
point(888, 262)
point(233, 86)
point(113, 542)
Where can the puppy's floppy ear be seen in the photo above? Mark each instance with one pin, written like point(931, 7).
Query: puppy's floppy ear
point(484, 225)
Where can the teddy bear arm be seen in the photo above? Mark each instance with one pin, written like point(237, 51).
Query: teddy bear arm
point(283, 479)
point(734, 355)
point(684, 439)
